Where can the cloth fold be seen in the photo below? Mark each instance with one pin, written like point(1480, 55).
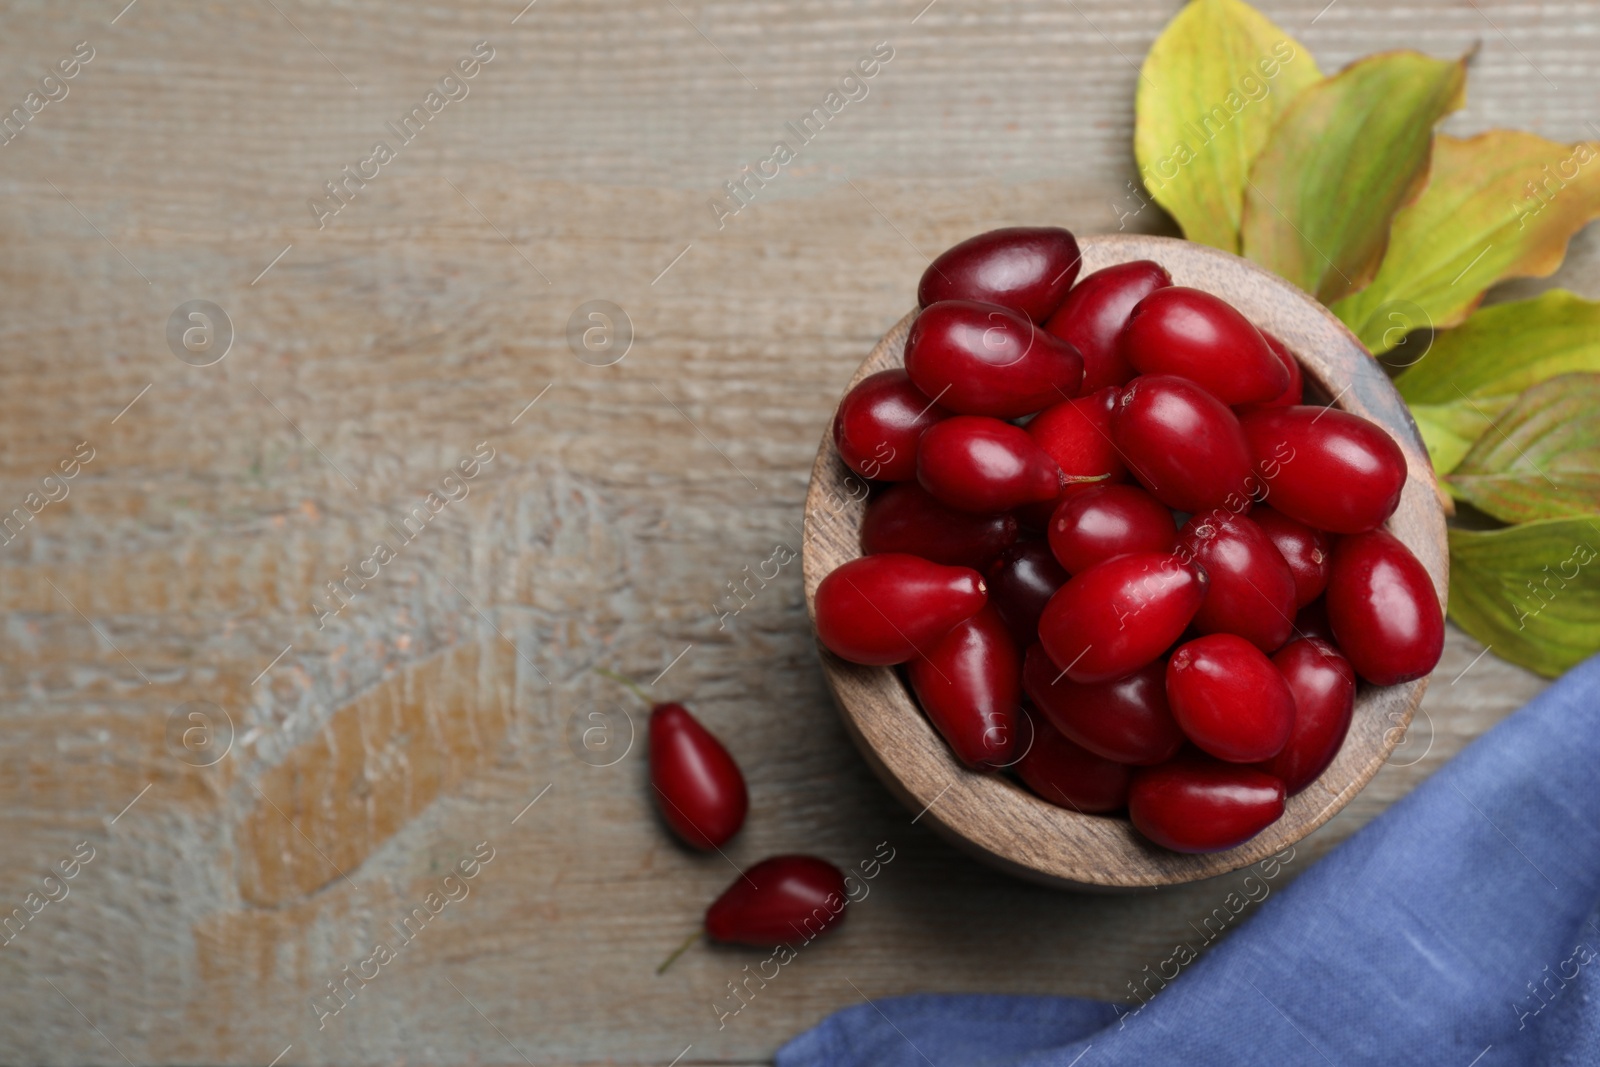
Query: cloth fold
point(1458, 928)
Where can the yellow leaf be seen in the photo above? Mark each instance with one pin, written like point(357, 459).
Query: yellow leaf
point(1348, 153)
point(1212, 87)
point(1499, 205)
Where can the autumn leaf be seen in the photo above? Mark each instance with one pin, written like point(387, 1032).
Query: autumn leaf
point(1541, 459)
point(1450, 430)
point(1504, 349)
point(1530, 592)
point(1502, 204)
point(1347, 154)
point(1212, 87)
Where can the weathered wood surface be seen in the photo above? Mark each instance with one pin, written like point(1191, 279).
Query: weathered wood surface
point(374, 355)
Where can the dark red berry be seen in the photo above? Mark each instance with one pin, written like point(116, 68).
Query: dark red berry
point(1119, 615)
point(979, 359)
point(785, 899)
point(970, 686)
point(1383, 609)
point(1308, 552)
point(698, 787)
point(1070, 776)
point(1092, 316)
point(1195, 804)
point(1324, 688)
point(1327, 468)
point(878, 424)
point(978, 464)
point(1190, 333)
point(1126, 720)
point(1182, 444)
point(1229, 699)
point(884, 609)
point(1022, 579)
point(1077, 435)
point(1026, 268)
point(1252, 588)
point(1106, 521)
point(1312, 621)
point(906, 518)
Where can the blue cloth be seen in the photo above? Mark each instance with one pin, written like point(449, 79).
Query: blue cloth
point(1459, 928)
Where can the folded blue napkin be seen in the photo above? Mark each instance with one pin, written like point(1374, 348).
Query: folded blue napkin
point(1459, 928)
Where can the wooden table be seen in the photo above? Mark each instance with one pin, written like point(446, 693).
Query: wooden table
point(269, 786)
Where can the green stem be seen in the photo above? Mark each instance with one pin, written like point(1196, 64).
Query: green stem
point(637, 689)
point(680, 950)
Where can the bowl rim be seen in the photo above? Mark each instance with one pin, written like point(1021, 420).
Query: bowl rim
point(996, 819)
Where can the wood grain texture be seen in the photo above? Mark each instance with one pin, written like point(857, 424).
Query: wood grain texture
point(375, 354)
point(994, 817)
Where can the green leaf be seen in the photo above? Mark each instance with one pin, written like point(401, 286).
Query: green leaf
point(1449, 430)
point(1343, 159)
point(1212, 87)
point(1504, 349)
point(1541, 460)
point(1530, 592)
point(1502, 204)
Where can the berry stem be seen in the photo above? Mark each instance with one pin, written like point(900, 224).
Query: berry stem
point(680, 950)
point(634, 686)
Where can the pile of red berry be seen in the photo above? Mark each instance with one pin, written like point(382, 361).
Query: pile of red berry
point(1113, 548)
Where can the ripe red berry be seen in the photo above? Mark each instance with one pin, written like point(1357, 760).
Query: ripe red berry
point(1383, 609)
point(970, 686)
point(906, 518)
point(1252, 588)
point(979, 359)
point(1119, 615)
point(1190, 333)
point(1296, 390)
point(878, 424)
point(1182, 444)
point(1070, 776)
point(1022, 579)
point(978, 464)
point(1229, 699)
point(880, 610)
point(1106, 521)
point(1308, 552)
point(698, 787)
point(1092, 316)
point(1327, 468)
point(1324, 688)
point(1126, 720)
point(1077, 435)
point(1195, 804)
point(784, 899)
point(1026, 268)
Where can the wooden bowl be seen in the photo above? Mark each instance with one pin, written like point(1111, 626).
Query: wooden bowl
point(996, 818)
